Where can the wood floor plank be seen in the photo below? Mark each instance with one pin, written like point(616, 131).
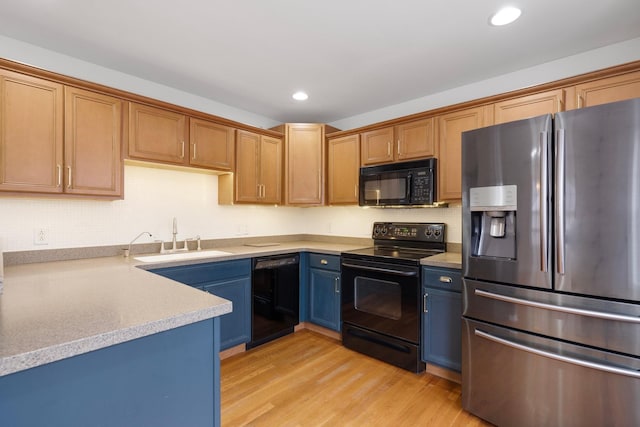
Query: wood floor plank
point(308, 379)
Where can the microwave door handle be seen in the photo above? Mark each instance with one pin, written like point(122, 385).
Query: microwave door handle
point(409, 182)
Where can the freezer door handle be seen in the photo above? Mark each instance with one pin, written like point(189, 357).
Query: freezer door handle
point(543, 192)
point(560, 184)
point(598, 366)
point(568, 310)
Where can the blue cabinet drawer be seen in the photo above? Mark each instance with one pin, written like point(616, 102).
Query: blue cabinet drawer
point(327, 262)
point(196, 274)
point(443, 278)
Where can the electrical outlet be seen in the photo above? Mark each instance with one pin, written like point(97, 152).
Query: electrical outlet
point(41, 236)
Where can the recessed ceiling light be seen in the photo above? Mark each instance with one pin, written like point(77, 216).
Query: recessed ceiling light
point(505, 16)
point(300, 96)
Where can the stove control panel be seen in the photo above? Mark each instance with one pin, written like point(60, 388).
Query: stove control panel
point(409, 231)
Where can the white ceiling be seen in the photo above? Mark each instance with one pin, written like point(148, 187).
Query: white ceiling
point(351, 56)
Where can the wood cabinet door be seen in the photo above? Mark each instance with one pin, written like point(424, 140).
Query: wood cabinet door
point(525, 107)
point(31, 134)
point(271, 170)
point(415, 140)
point(211, 145)
point(304, 153)
point(377, 146)
point(157, 134)
point(618, 88)
point(343, 170)
point(450, 128)
point(247, 166)
point(93, 143)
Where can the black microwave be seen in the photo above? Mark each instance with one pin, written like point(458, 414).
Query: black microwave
point(399, 184)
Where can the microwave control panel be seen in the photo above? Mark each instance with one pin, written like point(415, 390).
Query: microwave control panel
point(421, 189)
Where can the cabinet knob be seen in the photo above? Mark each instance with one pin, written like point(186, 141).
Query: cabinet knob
point(446, 279)
point(324, 262)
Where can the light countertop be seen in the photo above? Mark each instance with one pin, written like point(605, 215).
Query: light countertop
point(55, 310)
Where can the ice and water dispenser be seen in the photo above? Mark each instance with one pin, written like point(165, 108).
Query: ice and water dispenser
point(493, 221)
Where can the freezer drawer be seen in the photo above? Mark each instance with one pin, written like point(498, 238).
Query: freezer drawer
point(594, 322)
point(513, 378)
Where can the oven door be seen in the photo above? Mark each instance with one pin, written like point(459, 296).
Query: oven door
point(382, 297)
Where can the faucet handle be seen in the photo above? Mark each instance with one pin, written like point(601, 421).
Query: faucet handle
point(162, 249)
point(198, 239)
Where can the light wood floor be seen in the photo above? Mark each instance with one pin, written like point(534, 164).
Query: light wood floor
point(307, 379)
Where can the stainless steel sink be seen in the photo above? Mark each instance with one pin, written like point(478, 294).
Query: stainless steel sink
point(182, 256)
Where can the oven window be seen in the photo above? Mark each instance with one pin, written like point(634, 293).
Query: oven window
point(378, 297)
point(386, 189)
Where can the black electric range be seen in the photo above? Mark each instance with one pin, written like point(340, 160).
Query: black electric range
point(381, 299)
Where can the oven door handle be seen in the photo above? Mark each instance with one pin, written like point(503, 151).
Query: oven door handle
point(382, 270)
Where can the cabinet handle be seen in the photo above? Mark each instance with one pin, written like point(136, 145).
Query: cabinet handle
point(559, 105)
point(446, 279)
point(388, 148)
point(336, 282)
point(69, 176)
point(579, 101)
point(264, 190)
point(194, 151)
point(182, 150)
point(59, 175)
point(424, 303)
point(259, 190)
point(399, 147)
point(355, 190)
point(324, 262)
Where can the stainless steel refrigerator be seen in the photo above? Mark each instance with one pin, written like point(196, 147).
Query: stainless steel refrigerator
point(551, 266)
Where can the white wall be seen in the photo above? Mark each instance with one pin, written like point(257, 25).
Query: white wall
point(154, 196)
point(52, 61)
point(593, 60)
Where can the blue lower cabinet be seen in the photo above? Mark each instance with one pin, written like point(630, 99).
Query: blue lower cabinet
point(324, 291)
point(168, 379)
point(442, 317)
point(235, 327)
point(227, 279)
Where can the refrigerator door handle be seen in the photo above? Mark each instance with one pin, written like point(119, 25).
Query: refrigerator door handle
point(543, 192)
point(598, 366)
point(568, 310)
point(560, 187)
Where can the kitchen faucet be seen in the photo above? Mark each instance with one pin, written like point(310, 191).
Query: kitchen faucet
point(127, 252)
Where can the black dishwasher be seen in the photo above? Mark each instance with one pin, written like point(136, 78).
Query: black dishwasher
point(274, 297)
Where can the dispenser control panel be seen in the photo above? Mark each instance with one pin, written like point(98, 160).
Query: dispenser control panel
point(494, 198)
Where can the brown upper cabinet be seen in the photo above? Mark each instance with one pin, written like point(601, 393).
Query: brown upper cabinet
point(211, 145)
point(158, 135)
point(612, 89)
point(57, 139)
point(450, 128)
point(524, 107)
point(258, 171)
point(305, 163)
point(93, 143)
point(413, 140)
point(31, 125)
point(343, 170)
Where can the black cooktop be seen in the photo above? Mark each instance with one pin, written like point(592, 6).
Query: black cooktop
point(404, 241)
